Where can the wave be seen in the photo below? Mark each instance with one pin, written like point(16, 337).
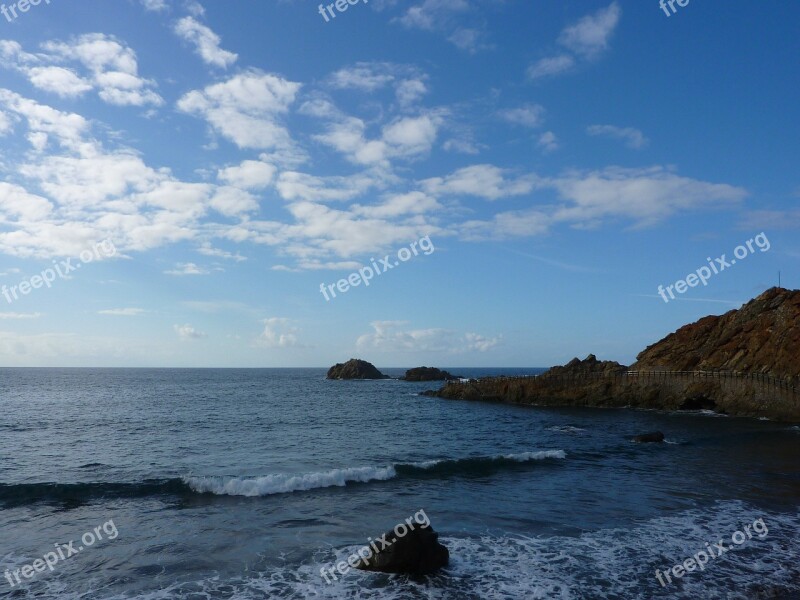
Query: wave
point(282, 483)
point(74, 494)
point(285, 483)
point(565, 429)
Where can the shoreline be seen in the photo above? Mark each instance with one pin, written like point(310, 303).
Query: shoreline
point(731, 394)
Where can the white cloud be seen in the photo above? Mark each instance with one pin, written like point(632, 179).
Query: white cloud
point(391, 336)
point(293, 185)
point(548, 142)
point(507, 225)
point(397, 205)
point(410, 91)
point(194, 8)
point(208, 250)
point(431, 14)
point(408, 82)
point(406, 137)
point(484, 181)
point(587, 39)
point(461, 145)
point(447, 16)
point(246, 109)
point(468, 39)
point(633, 138)
point(154, 5)
point(231, 201)
point(587, 199)
point(187, 332)
point(58, 80)
point(529, 115)
point(122, 312)
point(14, 316)
point(67, 128)
point(589, 36)
point(363, 76)
point(411, 135)
point(249, 175)
point(189, 268)
point(112, 70)
point(278, 333)
point(552, 65)
point(6, 123)
point(16, 204)
point(644, 196)
point(206, 42)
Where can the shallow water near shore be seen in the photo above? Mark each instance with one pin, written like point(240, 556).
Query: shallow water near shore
point(245, 483)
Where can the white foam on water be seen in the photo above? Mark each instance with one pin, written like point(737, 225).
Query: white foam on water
point(519, 457)
point(615, 562)
point(282, 483)
point(544, 454)
point(565, 429)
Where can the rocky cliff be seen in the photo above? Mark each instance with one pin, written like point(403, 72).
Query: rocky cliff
point(745, 362)
point(763, 336)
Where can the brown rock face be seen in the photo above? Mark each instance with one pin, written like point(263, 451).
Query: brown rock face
point(763, 336)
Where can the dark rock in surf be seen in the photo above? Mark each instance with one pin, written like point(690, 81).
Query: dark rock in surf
point(355, 369)
point(649, 438)
point(417, 553)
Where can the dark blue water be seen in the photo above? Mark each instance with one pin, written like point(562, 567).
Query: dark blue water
point(243, 484)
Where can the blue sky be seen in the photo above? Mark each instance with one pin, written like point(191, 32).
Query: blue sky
point(563, 158)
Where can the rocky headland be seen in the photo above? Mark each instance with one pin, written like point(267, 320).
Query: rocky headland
point(744, 363)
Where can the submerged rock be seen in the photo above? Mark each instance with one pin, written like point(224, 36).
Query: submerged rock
point(647, 438)
point(416, 553)
point(428, 374)
point(355, 369)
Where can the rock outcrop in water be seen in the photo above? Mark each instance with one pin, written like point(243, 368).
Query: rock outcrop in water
point(428, 374)
point(745, 363)
point(355, 369)
point(419, 552)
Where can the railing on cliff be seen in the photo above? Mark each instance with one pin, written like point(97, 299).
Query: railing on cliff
point(786, 385)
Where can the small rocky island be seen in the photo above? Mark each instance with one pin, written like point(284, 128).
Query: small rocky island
point(355, 369)
point(743, 363)
point(428, 374)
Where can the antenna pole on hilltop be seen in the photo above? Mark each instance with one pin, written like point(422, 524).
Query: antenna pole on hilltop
point(779, 279)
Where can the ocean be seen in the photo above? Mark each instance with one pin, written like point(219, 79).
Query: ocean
point(238, 484)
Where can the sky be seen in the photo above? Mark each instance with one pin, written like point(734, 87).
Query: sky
point(499, 183)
